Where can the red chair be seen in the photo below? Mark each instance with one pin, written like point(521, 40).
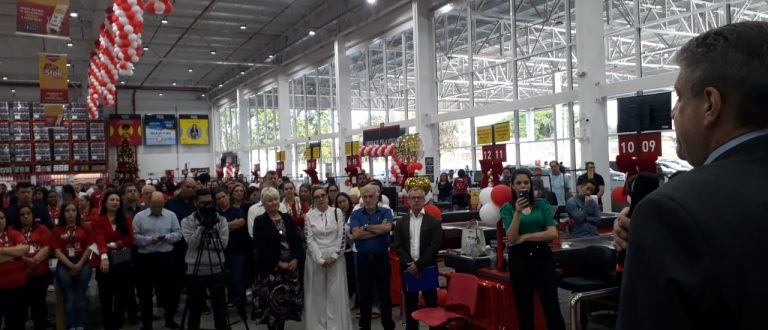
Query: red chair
point(460, 303)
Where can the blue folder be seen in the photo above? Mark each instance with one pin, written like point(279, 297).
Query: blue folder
point(427, 281)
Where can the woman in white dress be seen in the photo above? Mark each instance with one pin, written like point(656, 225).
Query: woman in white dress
point(325, 277)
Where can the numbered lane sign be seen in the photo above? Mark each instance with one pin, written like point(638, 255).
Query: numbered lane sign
point(496, 152)
point(353, 161)
point(641, 145)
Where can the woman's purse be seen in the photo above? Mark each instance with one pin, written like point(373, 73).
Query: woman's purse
point(120, 258)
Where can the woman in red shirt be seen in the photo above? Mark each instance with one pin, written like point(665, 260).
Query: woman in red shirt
point(460, 190)
point(36, 261)
point(13, 277)
point(114, 231)
point(70, 241)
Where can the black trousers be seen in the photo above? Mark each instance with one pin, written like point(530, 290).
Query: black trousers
point(374, 268)
point(154, 277)
point(532, 268)
point(13, 301)
point(114, 296)
point(131, 302)
point(37, 289)
point(349, 257)
point(215, 285)
point(412, 304)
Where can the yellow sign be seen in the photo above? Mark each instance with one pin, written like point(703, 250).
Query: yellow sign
point(484, 135)
point(501, 132)
point(351, 148)
point(53, 78)
point(194, 129)
point(307, 153)
point(474, 198)
point(316, 153)
point(281, 156)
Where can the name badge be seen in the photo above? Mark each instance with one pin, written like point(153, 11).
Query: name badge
point(32, 249)
point(71, 252)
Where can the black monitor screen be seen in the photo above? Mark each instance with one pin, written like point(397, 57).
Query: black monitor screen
point(645, 113)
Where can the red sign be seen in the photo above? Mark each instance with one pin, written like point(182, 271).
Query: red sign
point(125, 127)
point(644, 145)
point(497, 152)
point(280, 166)
point(311, 163)
point(353, 161)
point(48, 18)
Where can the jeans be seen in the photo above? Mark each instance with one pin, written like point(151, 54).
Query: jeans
point(114, 294)
point(37, 289)
point(215, 285)
point(73, 288)
point(374, 269)
point(236, 265)
point(12, 304)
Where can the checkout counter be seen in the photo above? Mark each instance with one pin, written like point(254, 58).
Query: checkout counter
point(496, 307)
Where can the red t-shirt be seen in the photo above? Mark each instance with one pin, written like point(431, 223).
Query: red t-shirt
point(53, 211)
point(105, 234)
point(12, 273)
point(39, 237)
point(72, 241)
point(298, 213)
point(460, 186)
point(96, 197)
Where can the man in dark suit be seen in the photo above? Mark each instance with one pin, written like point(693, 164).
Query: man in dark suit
point(418, 237)
point(696, 258)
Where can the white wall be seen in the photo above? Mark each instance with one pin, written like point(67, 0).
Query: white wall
point(153, 161)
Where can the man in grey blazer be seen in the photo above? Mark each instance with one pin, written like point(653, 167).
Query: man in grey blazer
point(418, 237)
point(696, 257)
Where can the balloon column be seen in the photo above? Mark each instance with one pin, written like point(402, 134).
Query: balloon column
point(493, 198)
point(118, 48)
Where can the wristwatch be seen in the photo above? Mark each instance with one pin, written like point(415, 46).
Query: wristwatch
point(365, 227)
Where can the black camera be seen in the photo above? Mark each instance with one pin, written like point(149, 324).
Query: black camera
point(208, 217)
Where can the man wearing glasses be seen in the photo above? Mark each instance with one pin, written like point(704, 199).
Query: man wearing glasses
point(595, 179)
point(371, 226)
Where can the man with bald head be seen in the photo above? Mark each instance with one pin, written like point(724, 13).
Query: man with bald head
point(156, 229)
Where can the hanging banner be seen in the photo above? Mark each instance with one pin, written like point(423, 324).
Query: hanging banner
point(383, 135)
point(160, 130)
point(194, 129)
point(45, 18)
point(124, 127)
point(53, 74)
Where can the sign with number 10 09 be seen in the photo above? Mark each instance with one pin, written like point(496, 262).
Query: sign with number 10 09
point(647, 144)
point(496, 152)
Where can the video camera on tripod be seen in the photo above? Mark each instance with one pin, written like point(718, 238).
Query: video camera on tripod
point(208, 217)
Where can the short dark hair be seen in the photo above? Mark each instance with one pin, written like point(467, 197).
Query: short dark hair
point(23, 185)
point(124, 187)
point(589, 163)
point(218, 191)
point(202, 192)
point(734, 60)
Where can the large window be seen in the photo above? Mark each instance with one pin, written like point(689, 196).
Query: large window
point(229, 127)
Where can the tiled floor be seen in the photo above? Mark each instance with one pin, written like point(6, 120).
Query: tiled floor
point(598, 321)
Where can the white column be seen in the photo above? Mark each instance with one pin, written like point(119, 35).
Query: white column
point(343, 97)
point(284, 110)
point(426, 80)
point(592, 107)
point(244, 133)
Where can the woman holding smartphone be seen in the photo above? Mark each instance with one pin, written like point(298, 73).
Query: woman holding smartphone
point(529, 225)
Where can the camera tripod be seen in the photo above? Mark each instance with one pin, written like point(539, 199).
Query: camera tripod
point(211, 238)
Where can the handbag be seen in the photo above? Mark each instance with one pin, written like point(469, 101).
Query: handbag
point(121, 257)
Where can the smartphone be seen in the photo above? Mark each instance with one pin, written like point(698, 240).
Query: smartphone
point(523, 194)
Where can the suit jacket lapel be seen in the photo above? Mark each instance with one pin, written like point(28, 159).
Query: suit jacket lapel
point(407, 231)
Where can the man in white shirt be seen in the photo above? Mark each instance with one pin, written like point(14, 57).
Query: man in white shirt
point(418, 237)
point(561, 183)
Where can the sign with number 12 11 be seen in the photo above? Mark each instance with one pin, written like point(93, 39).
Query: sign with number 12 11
point(642, 145)
point(496, 152)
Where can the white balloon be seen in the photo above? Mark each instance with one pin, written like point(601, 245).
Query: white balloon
point(159, 8)
point(129, 29)
point(132, 2)
point(132, 52)
point(123, 20)
point(490, 214)
point(485, 195)
point(120, 13)
point(135, 59)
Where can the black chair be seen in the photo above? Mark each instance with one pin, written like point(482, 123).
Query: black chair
point(589, 273)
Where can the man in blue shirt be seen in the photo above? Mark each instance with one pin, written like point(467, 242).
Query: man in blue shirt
point(239, 247)
point(371, 226)
point(155, 230)
point(182, 205)
point(584, 211)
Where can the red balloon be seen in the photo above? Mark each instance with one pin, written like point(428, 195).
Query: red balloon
point(618, 196)
point(434, 211)
point(442, 297)
point(150, 7)
point(168, 8)
point(501, 194)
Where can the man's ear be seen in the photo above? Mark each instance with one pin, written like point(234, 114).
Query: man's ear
point(712, 106)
